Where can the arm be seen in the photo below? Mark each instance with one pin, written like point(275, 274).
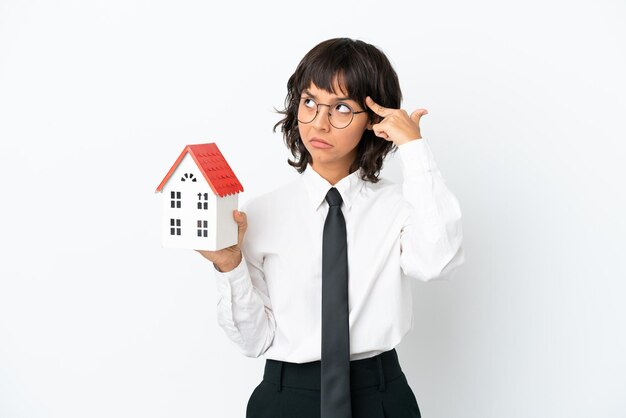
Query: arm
point(244, 309)
point(431, 236)
point(430, 239)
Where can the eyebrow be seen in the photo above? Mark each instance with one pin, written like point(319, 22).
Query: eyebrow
point(308, 93)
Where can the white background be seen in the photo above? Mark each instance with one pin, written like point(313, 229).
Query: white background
point(527, 103)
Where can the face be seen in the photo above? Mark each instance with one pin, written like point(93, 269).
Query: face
point(339, 152)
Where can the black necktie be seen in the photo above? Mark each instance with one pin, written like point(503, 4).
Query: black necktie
point(335, 366)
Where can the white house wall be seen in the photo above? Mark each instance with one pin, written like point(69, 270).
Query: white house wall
point(227, 229)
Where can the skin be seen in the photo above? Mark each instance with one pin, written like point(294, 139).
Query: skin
point(333, 163)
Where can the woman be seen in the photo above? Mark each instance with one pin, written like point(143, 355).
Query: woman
point(284, 291)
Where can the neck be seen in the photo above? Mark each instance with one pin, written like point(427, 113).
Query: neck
point(331, 174)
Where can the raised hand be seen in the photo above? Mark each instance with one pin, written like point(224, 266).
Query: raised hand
point(396, 124)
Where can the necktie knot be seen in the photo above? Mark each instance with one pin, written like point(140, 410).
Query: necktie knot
point(333, 197)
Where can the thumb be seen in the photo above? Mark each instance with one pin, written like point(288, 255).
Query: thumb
point(242, 226)
point(240, 217)
point(417, 115)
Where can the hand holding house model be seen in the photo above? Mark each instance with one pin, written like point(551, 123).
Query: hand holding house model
point(199, 194)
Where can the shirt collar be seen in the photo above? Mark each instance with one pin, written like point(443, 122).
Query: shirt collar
point(317, 187)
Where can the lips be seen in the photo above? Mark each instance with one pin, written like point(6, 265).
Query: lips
point(319, 140)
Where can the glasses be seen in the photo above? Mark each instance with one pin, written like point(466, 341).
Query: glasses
point(340, 114)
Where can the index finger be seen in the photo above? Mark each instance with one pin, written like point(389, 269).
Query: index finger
point(378, 109)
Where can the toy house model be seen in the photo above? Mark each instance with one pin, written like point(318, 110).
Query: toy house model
point(199, 194)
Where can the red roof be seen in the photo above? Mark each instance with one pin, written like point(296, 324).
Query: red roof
point(213, 167)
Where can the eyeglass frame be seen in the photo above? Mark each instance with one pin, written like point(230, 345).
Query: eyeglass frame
point(329, 114)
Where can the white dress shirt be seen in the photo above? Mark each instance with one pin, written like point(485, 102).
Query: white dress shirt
point(270, 304)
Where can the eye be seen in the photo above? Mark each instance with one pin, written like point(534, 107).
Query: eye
point(343, 108)
point(310, 103)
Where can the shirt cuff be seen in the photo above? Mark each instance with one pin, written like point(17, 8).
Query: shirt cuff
point(234, 282)
point(417, 158)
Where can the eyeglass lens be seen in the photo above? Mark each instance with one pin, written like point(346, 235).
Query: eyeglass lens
point(339, 114)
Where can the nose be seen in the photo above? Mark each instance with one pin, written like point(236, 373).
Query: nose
point(321, 120)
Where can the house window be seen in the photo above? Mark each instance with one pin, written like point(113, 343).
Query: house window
point(203, 228)
point(188, 176)
point(203, 200)
point(174, 226)
point(175, 202)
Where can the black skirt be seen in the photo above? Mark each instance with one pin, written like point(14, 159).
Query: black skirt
point(379, 389)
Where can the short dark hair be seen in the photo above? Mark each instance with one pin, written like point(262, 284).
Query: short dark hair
point(361, 70)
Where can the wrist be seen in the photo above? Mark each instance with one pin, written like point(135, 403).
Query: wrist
point(406, 141)
point(228, 266)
